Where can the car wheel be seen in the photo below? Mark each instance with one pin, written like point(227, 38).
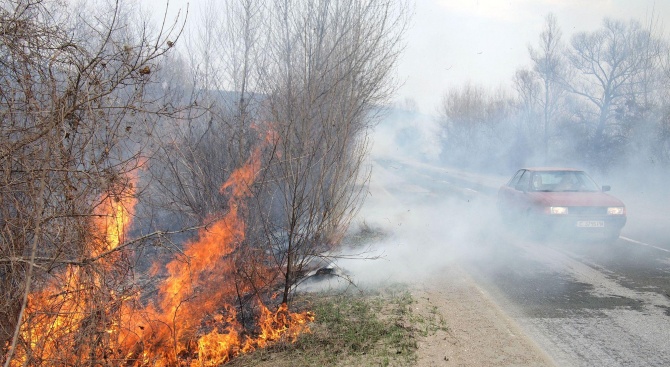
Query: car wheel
point(505, 217)
point(612, 236)
point(533, 228)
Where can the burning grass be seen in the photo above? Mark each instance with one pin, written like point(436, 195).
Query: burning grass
point(87, 316)
point(202, 312)
point(369, 328)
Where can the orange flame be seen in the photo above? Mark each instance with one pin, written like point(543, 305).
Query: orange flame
point(58, 311)
point(202, 290)
point(192, 323)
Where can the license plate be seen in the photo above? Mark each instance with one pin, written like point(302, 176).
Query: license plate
point(590, 223)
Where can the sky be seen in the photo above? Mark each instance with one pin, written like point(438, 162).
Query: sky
point(485, 41)
point(451, 42)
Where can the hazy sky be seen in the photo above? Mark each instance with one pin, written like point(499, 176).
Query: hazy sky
point(484, 41)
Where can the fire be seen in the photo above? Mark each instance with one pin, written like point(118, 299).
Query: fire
point(58, 312)
point(194, 319)
point(199, 293)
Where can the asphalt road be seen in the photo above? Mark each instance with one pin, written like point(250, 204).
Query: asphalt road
point(586, 303)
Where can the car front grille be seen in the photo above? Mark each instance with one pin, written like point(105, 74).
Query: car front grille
point(587, 210)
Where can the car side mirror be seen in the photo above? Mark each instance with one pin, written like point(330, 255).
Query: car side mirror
point(606, 188)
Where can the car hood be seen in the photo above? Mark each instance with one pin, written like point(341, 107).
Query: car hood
point(575, 199)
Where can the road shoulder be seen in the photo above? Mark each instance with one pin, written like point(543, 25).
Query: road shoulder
point(478, 332)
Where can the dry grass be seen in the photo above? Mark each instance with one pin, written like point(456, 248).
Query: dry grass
point(369, 328)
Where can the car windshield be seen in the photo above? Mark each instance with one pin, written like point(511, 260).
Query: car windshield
point(562, 181)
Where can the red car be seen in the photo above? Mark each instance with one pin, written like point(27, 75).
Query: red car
point(561, 201)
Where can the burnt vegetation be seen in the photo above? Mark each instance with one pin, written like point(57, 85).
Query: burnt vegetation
point(162, 195)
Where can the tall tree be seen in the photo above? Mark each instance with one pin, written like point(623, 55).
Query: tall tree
point(611, 62)
point(528, 134)
point(308, 77)
point(549, 65)
point(334, 62)
point(74, 116)
point(474, 124)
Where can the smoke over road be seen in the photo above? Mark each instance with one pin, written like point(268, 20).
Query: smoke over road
point(586, 302)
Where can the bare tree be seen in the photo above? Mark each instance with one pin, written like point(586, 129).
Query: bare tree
point(527, 132)
point(643, 114)
point(475, 124)
point(464, 113)
point(662, 147)
point(197, 154)
point(306, 78)
point(549, 66)
point(333, 68)
point(74, 113)
point(611, 61)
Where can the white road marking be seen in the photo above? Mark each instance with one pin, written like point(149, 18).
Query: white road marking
point(643, 244)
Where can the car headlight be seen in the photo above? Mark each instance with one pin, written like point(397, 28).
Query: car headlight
point(616, 210)
point(558, 210)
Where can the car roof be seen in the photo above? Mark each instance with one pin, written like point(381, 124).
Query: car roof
point(536, 169)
